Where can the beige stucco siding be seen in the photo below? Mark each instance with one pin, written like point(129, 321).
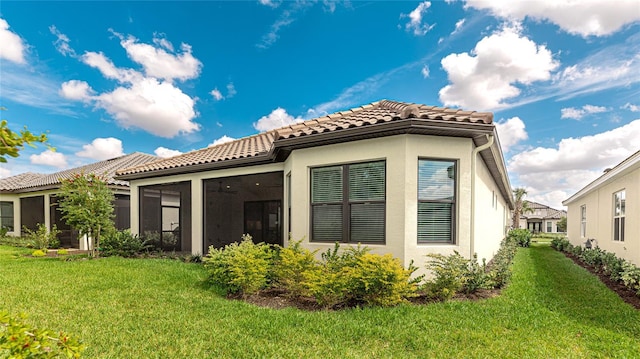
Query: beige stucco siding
point(599, 204)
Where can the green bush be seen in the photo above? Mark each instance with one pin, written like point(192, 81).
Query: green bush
point(560, 243)
point(500, 266)
point(612, 266)
point(449, 275)
point(521, 236)
point(630, 276)
point(63, 252)
point(293, 267)
point(592, 256)
point(42, 238)
point(3, 231)
point(20, 340)
point(476, 276)
point(242, 268)
point(122, 243)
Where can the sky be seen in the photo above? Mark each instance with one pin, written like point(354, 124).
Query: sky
point(104, 79)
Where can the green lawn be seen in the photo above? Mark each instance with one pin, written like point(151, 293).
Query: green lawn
point(152, 308)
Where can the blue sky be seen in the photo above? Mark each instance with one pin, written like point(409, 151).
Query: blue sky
point(107, 78)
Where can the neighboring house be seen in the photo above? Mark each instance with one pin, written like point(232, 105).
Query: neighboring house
point(543, 219)
point(401, 178)
point(29, 199)
point(600, 211)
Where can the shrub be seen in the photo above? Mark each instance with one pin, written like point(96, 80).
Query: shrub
point(560, 243)
point(592, 257)
point(630, 276)
point(521, 236)
point(122, 243)
point(42, 238)
point(500, 266)
point(449, 275)
point(63, 252)
point(3, 231)
point(574, 250)
point(612, 266)
point(20, 340)
point(38, 253)
point(476, 276)
point(292, 269)
point(240, 267)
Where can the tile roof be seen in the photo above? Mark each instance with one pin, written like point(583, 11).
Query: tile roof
point(541, 211)
point(107, 168)
point(261, 145)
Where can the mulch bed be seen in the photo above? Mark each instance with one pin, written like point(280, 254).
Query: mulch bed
point(618, 287)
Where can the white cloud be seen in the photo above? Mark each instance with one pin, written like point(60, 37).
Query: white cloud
point(631, 107)
point(49, 158)
point(166, 152)
point(270, 3)
point(106, 67)
point(459, 25)
point(217, 95)
point(102, 149)
point(415, 23)
point(221, 140)
point(584, 17)
point(11, 46)
point(76, 90)
point(425, 71)
point(159, 63)
point(485, 78)
point(286, 18)
point(551, 175)
point(276, 119)
point(579, 113)
point(511, 132)
point(231, 90)
point(156, 107)
point(5, 172)
point(62, 42)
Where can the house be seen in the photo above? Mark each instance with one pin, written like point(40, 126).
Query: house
point(600, 210)
point(543, 219)
point(401, 178)
point(28, 199)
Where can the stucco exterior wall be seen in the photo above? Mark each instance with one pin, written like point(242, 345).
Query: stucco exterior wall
point(599, 204)
point(15, 199)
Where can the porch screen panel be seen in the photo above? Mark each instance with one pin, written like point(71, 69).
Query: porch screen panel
point(367, 202)
point(326, 203)
point(6, 215)
point(436, 201)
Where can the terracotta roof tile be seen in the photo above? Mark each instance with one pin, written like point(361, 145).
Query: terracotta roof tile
point(261, 144)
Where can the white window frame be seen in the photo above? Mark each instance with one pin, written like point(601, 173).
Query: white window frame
point(619, 201)
point(583, 221)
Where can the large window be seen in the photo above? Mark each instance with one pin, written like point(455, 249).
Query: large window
point(549, 227)
point(583, 221)
point(348, 203)
point(436, 201)
point(6, 215)
point(618, 216)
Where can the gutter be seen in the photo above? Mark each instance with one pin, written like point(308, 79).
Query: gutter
point(474, 158)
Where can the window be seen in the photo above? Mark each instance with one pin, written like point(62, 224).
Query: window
point(436, 201)
point(348, 203)
point(583, 221)
point(549, 227)
point(618, 215)
point(6, 215)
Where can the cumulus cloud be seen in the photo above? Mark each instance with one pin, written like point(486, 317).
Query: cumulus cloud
point(11, 46)
point(631, 107)
point(221, 140)
point(552, 175)
point(49, 158)
point(578, 113)
point(76, 90)
point(102, 149)
point(5, 172)
point(459, 25)
point(270, 3)
point(425, 71)
point(415, 24)
point(484, 78)
point(231, 90)
point(511, 132)
point(149, 101)
point(217, 95)
point(62, 42)
point(276, 119)
point(164, 152)
point(584, 18)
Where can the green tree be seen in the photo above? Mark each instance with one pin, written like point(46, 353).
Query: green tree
point(11, 143)
point(562, 224)
point(521, 206)
point(87, 205)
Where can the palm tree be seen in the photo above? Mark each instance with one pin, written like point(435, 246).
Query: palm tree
point(522, 206)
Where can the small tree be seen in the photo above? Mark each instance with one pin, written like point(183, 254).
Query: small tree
point(521, 206)
point(86, 205)
point(562, 224)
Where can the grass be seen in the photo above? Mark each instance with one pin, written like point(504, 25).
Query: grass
point(153, 308)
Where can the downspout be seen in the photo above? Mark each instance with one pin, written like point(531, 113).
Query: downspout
point(474, 156)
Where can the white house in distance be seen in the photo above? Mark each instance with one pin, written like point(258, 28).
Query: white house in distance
point(608, 210)
point(29, 199)
point(401, 178)
point(543, 219)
